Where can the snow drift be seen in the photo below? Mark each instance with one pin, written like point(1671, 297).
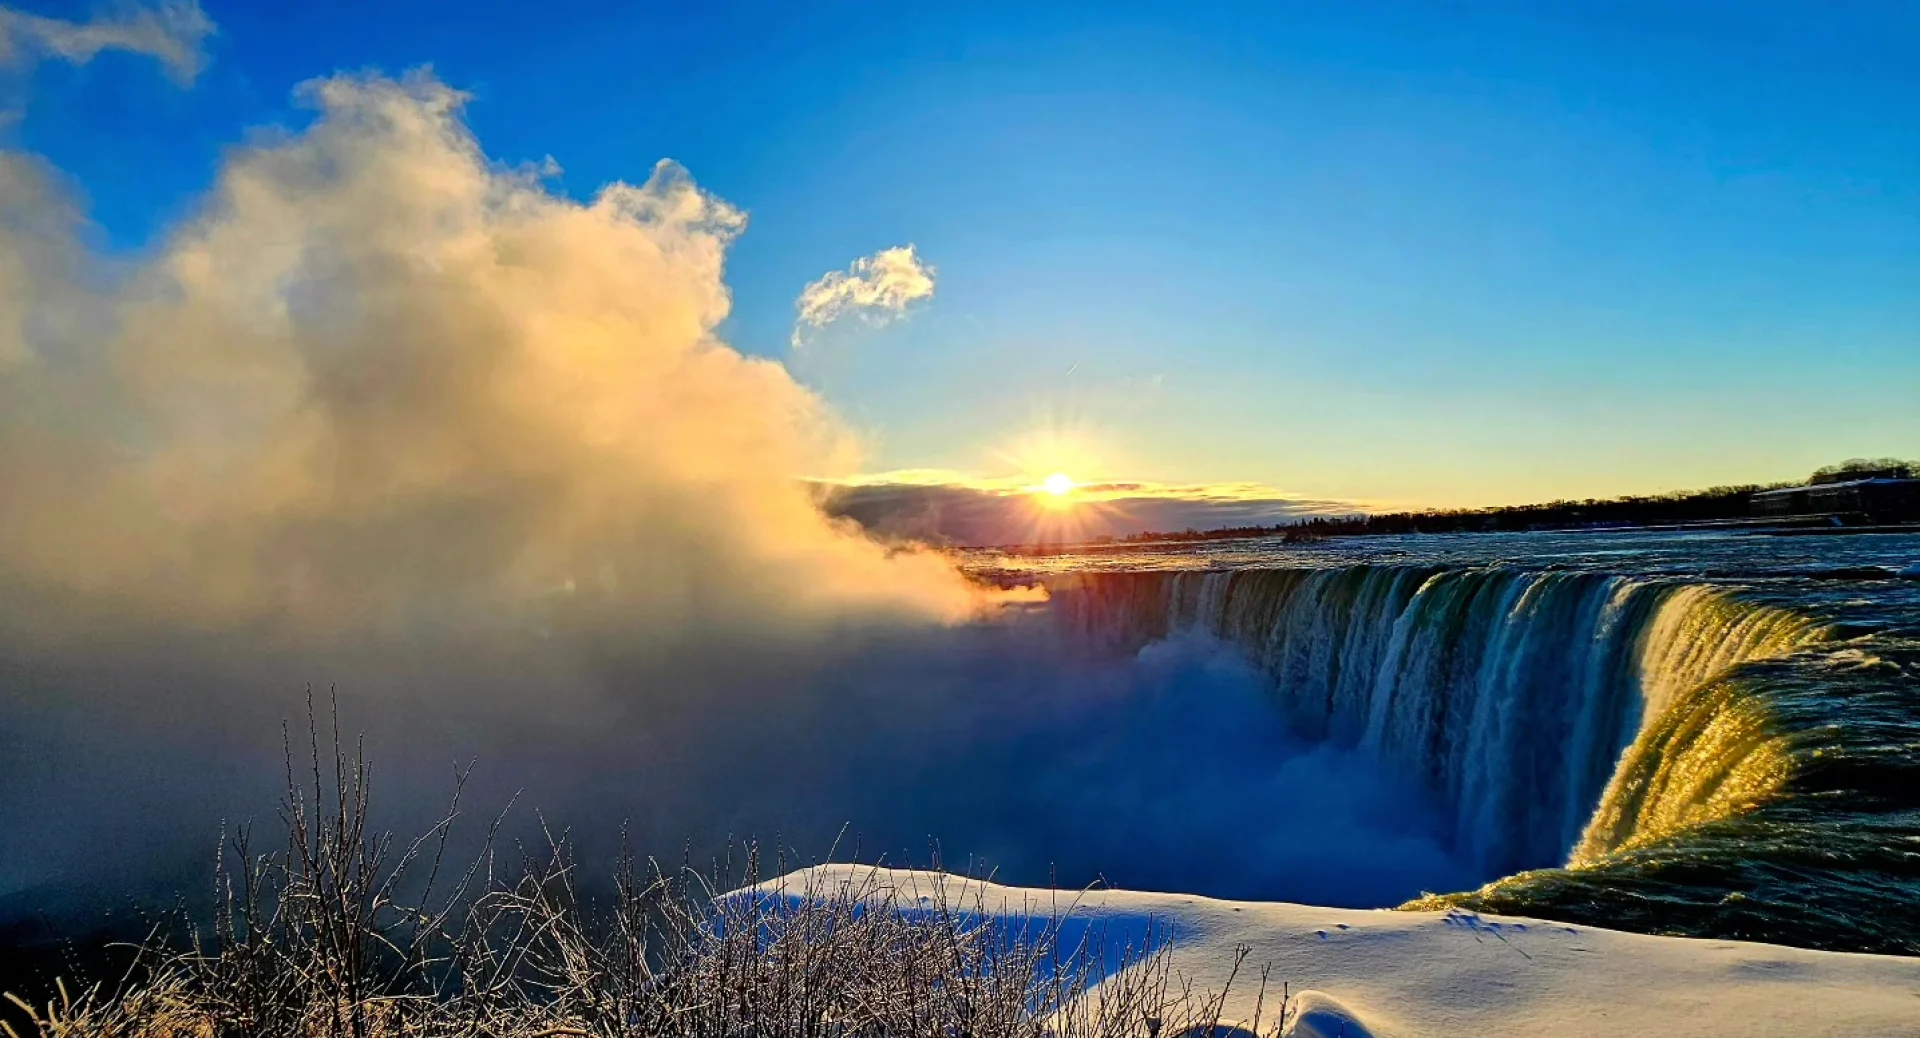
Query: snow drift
point(1354, 974)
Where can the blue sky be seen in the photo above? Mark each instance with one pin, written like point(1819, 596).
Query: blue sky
point(1398, 253)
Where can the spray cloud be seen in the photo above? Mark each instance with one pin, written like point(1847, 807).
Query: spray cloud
point(388, 416)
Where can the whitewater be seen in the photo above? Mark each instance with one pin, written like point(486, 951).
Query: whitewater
point(1674, 754)
point(1712, 735)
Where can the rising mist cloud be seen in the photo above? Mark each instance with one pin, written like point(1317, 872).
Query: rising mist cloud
point(875, 289)
point(172, 32)
point(378, 377)
point(385, 415)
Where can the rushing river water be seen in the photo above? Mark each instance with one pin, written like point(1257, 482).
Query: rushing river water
point(1713, 734)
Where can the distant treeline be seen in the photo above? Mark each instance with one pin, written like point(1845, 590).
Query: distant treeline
point(1690, 506)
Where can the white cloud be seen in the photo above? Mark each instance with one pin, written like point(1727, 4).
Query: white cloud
point(171, 32)
point(876, 289)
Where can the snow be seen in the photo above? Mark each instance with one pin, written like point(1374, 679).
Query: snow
point(1390, 974)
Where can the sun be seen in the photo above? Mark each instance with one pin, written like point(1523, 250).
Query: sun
point(1059, 484)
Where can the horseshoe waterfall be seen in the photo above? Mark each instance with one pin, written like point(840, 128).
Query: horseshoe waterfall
point(1593, 737)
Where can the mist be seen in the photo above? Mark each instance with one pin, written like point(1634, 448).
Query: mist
point(385, 416)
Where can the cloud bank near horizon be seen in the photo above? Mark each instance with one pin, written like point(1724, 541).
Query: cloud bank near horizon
point(172, 32)
point(949, 509)
point(874, 289)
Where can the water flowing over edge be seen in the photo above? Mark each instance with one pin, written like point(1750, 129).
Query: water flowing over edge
point(1630, 751)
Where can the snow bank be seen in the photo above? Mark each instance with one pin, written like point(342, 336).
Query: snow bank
point(1361, 973)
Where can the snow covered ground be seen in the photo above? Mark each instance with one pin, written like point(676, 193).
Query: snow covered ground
point(1361, 973)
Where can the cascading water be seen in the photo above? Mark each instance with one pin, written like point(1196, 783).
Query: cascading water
point(1510, 693)
point(1709, 733)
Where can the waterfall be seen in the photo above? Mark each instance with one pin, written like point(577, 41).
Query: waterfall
point(1560, 715)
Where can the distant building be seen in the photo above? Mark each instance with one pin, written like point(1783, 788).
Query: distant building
point(1873, 500)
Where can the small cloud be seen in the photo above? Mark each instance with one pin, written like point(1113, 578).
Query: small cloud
point(876, 289)
point(171, 32)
